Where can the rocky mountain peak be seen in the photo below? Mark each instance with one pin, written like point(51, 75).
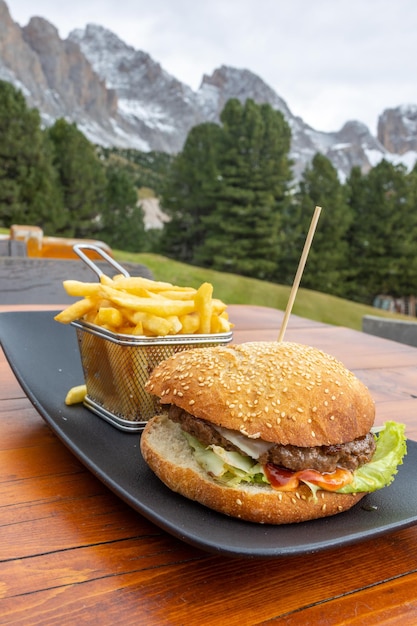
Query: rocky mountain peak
point(19, 64)
point(230, 82)
point(397, 129)
point(120, 96)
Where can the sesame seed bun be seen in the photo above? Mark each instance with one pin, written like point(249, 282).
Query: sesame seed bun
point(281, 392)
point(167, 453)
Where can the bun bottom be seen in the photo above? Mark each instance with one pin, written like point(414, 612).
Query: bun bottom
point(168, 454)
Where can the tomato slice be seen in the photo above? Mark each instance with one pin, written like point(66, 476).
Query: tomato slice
point(281, 478)
point(287, 480)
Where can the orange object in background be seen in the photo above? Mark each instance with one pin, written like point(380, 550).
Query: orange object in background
point(37, 245)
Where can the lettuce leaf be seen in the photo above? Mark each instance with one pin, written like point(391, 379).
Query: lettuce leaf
point(227, 466)
point(233, 468)
point(391, 447)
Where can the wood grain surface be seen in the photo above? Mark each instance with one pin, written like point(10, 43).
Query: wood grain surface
point(72, 552)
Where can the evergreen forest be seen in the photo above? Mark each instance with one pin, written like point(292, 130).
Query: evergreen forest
point(230, 196)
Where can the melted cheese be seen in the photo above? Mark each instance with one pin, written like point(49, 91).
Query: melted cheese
point(252, 447)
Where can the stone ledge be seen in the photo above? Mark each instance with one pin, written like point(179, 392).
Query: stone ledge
point(29, 280)
point(402, 331)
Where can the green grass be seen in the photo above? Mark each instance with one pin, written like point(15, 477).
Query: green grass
point(234, 289)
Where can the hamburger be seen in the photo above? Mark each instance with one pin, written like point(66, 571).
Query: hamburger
point(268, 432)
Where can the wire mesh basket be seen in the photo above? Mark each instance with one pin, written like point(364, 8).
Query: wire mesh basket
point(117, 366)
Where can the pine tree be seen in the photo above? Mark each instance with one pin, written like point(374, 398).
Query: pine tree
point(122, 224)
point(383, 234)
point(190, 191)
point(242, 230)
point(327, 265)
point(29, 193)
point(82, 179)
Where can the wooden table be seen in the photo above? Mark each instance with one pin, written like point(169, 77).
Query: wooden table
point(72, 552)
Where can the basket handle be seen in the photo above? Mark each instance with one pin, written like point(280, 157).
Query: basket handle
point(79, 250)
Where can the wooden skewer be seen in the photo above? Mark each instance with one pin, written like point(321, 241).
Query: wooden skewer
point(300, 270)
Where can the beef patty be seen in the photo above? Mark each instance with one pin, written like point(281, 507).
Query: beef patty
point(348, 455)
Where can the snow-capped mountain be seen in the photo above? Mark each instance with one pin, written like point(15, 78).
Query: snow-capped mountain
point(119, 96)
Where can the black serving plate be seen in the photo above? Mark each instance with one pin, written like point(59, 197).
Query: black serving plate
point(45, 359)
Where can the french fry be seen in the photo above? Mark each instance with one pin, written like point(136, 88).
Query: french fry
point(106, 280)
point(176, 325)
point(80, 289)
point(218, 306)
point(134, 291)
point(126, 330)
point(148, 305)
point(204, 306)
point(109, 316)
point(76, 310)
point(138, 329)
point(173, 294)
point(153, 324)
point(138, 282)
point(219, 323)
point(76, 395)
point(190, 323)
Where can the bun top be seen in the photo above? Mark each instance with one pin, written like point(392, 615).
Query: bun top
point(281, 392)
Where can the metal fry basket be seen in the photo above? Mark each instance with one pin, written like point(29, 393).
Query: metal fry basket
point(117, 366)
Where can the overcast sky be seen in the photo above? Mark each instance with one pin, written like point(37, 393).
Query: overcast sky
point(330, 60)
